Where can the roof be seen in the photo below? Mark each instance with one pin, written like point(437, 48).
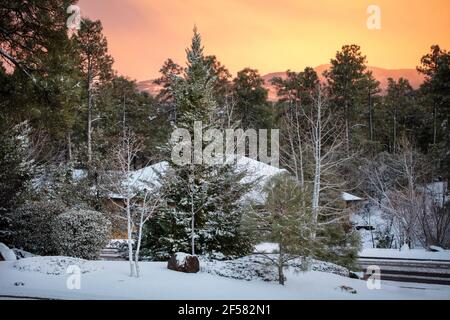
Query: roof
point(148, 177)
point(350, 197)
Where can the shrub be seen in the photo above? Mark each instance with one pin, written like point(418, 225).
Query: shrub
point(81, 233)
point(32, 224)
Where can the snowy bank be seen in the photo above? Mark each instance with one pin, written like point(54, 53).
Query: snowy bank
point(405, 254)
point(53, 265)
point(259, 267)
point(157, 282)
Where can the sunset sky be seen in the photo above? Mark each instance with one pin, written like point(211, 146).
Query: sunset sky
point(267, 35)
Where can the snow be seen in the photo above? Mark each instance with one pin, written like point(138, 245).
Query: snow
point(148, 177)
point(404, 247)
point(267, 247)
point(371, 215)
point(260, 267)
point(7, 253)
point(407, 254)
point(181, 258)
point(111, 281)
point(21, 254)
point(436, 249)
point(439, 192)
point(256, 170)
point(79, 174)
point(349, 197)
point(53, 265)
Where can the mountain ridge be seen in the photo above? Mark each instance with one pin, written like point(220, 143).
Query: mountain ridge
point(381, 74)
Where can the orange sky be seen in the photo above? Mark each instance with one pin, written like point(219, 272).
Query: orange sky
point(267, 35)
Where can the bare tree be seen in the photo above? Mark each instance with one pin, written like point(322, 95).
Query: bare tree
point(435, 217)
point(150, 204)
point(121, 184)
point(397, 182)
point(325, 142)
point(293, 155)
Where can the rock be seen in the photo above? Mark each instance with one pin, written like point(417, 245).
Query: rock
point(183, 262)
point(435, 249)
point(6, 254)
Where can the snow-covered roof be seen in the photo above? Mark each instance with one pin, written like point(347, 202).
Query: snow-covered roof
point(147, 177)
point(350, 197)
point(257, 170)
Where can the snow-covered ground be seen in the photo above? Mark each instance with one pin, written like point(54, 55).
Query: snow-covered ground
point(110, 280)
point(405, 254)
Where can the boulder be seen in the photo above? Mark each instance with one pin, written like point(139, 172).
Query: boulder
point(6, 254)
point(183, 262)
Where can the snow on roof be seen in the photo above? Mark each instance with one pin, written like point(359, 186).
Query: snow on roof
point(256, 170)
point(148, 177)
point(143, 179)
point(349, 197)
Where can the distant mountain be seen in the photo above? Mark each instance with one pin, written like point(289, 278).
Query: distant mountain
point(381, 74)
point(150, 87)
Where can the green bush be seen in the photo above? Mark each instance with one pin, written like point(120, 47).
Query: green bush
point(81, 233)
point(32, 226)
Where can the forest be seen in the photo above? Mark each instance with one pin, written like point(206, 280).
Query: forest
point(65, 113)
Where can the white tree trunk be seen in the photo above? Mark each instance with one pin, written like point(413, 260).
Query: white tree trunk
point(317, 144)
point(130, 240)
point(89, 115)
point(138, 248)
point(192, 223)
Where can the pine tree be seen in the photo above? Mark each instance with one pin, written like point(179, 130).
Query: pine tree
point(286, 219)
point(193, 93)
point(436, 88)
point(16, 174)
point(398, 102)
point(96, 66)
point(215, 195)
point(345, 79)
point(252, 107)
point(203, 208)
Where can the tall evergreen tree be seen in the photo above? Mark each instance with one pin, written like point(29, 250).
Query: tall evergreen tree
point(96, 65)
point(193, 93)
point(252, 107)
point(436, 88)
point(203, 208)
point(345, 79)
point(398, 100)
point(17, 170)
